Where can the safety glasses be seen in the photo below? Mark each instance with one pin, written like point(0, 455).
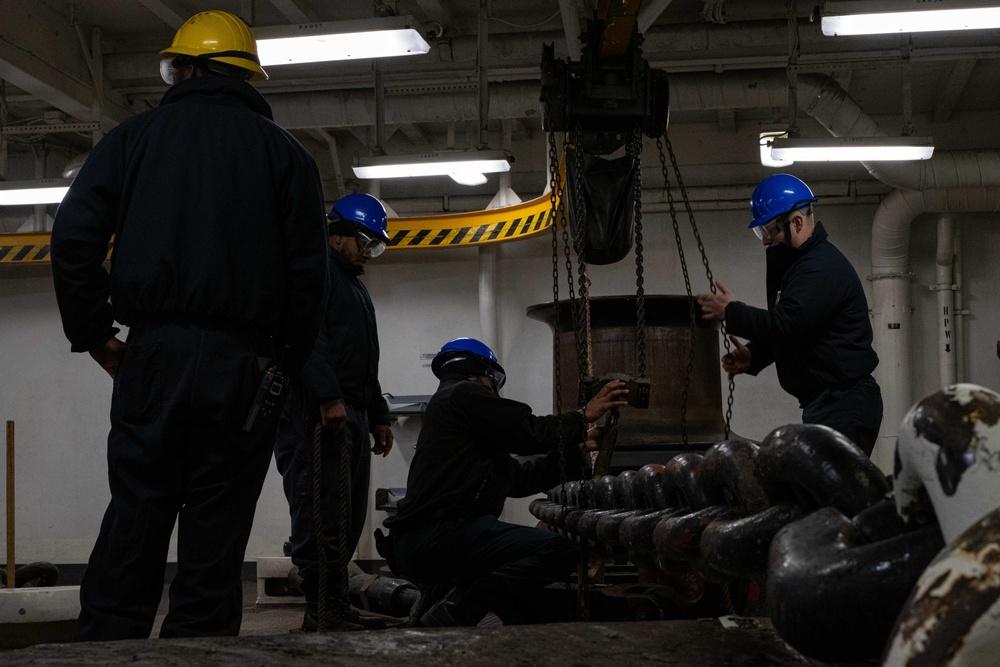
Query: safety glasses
point(371, 246)
point(498, 377)
point(769, 230)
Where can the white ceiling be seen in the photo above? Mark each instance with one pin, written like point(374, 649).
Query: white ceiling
point(728, 64)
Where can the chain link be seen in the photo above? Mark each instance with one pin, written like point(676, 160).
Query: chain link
point(687, 287)
point(583, 334)
point(635, 151)
point(557, 211)
point(708, 272)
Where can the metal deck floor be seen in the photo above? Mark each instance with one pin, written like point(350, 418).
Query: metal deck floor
point(270, 637)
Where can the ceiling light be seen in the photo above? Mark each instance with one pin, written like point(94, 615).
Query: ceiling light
point(28, 193)
point(766, 139)
point(339, 40)
point(863, 149)
point(889, 16)
point(465, 167)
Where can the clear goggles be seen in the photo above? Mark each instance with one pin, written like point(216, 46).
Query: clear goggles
point(498, 377)
point(368, 245)
point(770, 230)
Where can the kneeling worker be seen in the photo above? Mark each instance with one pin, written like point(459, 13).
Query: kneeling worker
point(447, 528)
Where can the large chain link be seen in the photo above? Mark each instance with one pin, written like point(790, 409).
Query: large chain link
point(708, 270)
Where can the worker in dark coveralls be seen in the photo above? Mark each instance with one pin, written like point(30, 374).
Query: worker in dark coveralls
point(338, 389)
point(815, 328)
point(219, 259)
point(447, 527)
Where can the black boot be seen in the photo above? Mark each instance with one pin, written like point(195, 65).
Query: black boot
point(333, 620)
point(456, 609)
point(352, 616)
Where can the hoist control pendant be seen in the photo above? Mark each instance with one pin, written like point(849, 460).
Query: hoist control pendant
point(651, 435)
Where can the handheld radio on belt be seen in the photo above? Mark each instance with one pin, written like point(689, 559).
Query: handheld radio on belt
point(268, 400)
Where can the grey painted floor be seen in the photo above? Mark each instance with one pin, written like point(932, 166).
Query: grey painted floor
point(270, 636)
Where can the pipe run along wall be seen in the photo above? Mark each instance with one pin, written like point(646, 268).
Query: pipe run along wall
point(891, 292)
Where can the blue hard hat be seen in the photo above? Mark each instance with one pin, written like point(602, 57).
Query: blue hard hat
point(466, 348)
point(776, 195)
point(363, 209)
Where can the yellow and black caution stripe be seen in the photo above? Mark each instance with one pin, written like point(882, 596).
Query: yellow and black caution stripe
point(510, 223)
point(30, 248)
point(27, 248)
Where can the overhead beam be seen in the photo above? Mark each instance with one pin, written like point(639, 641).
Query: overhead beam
point(38, 56)
point(168, 13)
point(435, 11)
point(414, 134)
point(952, 88)
point(293, 11)
point(650, 12)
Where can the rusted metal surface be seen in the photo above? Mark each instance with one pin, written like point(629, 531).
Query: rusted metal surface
point(946, 467)
point(947, 458)
point(953, 616)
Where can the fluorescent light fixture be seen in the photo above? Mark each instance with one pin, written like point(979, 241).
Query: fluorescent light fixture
point(766, 138)
point(28, 193)
point(339, 40)
point(890, 16)
point(465, 167)
point(845, 149)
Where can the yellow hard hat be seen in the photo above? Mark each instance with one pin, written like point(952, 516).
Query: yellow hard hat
point(220, 36)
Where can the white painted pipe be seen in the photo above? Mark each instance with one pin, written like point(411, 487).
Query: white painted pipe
point(959, 307)
point(891, 322)
point(945, 299)
point(891, 294)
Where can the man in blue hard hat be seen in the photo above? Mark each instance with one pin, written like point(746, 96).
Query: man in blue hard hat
point(476, 449)
point(815, 328)
point(338, 390)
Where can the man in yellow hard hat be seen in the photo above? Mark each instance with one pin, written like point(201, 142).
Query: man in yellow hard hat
point(219, 263)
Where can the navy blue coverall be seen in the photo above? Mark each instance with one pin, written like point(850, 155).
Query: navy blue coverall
point(219, 258)
point(344, 365)
point(817, 333)
point(447, 527)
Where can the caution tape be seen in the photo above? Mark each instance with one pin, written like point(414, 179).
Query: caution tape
point(27, 248)
point(510, 223)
